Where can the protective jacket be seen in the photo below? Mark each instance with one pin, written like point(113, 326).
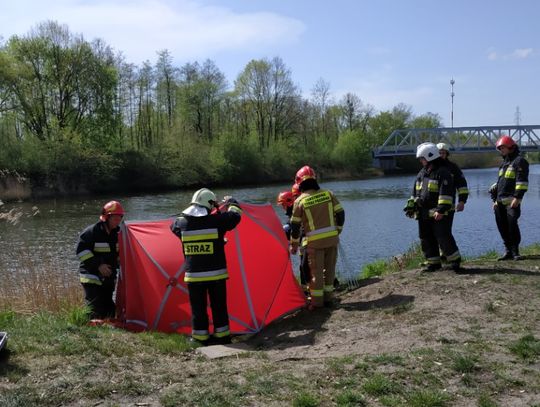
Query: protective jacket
point(96, 247)
point(513, 179)
point(204, 245)
point(434, 189)
point(460, 183)
point(322, 217)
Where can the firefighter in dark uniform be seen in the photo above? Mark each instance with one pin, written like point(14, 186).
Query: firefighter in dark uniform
point(507, 194)
point(460, 183)
point(433, 196)
point(320, 215)
point(202, 232)
point(97, 250)
point(286, 200)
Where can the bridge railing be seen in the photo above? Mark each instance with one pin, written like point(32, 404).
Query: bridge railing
point(459, 139)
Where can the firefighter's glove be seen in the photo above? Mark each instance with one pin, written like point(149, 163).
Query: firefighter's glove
point(493, 192)
point(410, 208)
point(228, 200)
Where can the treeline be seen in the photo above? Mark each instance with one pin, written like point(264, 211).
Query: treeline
point(76, 115)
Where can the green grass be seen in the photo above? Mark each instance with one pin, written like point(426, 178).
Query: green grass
point(305, 400)
point(484, 400)
point(350, 398)
point(527, 348)
point(377, 268)
point(427, 398)
point(379, 385)
point(387, 359)
point(464, 363)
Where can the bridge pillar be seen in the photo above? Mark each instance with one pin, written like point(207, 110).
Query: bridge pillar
point(385, 163)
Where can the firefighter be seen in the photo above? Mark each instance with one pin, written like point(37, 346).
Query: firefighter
point(97, 250)
point(286, 200)
point(433, 197)
point(202, 232)
point(460, 183)
point(507, 194)
point(321, 216)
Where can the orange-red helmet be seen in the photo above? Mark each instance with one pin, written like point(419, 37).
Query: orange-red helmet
point(505, 141)
point(285, 199)
point(111, 208)
point(304, 173)
point(295, 189)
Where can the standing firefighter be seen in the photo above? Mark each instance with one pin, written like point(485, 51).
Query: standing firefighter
point(286, 200)
point(97, 250)
point(460, 183)
point(321, 216)
point(202, 233)
point(430, 203)
point(507, 194)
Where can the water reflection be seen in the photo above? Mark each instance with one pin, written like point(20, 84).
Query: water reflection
point(375, 224)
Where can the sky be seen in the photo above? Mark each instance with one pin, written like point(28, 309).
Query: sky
point(385, 51)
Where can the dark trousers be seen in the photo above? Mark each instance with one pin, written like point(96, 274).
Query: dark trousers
point(305, 274)
point(507, 223)
point(434, 234)
point(100, 299)
point(198, 294)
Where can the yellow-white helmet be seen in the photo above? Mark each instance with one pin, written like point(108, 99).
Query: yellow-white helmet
point(204, 197)
point(429, 151)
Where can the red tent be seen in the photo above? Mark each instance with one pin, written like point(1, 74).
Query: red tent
point(151, 293)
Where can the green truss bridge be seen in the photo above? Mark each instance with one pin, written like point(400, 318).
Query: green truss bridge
point(460, 139)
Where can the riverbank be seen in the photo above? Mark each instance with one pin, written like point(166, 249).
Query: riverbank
point(402, 338)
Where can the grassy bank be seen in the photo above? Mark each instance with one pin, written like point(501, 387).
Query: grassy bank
point(402, 338)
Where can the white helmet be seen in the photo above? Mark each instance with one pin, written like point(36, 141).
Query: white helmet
point(429, 151)
point(443, 146)
point(204, 197)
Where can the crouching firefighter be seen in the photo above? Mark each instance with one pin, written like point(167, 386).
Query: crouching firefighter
point(97, 250)
point(431, 201)
point(202, 232)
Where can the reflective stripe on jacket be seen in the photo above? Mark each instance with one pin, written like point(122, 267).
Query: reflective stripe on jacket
point(320, 215)
point(513, 179)
point(434, 188)
point(203, 243)
point(460, 183)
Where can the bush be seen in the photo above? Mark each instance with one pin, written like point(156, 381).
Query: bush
point(352, 152)
point(235, 158)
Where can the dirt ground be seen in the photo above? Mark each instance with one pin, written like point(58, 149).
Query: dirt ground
point(490, 303)
point(421, 308)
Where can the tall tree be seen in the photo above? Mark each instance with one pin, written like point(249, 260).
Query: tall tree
point(59, 81)
point(166, 78)
point(266, 89)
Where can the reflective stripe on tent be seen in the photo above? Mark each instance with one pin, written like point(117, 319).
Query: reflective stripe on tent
point(152, 294)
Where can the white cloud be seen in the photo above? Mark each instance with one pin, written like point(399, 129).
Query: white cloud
point(187, 28)
point(492, 56)
point(522, 53)
point(518, 53)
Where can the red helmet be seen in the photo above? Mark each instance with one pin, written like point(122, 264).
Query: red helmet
point(285, 199)
point(506, 141)
point(295, 190)
point(111, 208)
point(304, 173)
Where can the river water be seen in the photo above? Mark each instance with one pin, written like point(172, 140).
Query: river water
point(376, 227)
